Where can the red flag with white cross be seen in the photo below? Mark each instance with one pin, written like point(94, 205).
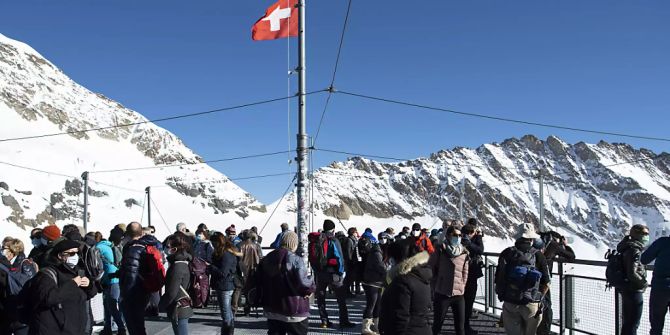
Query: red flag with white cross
point(280, 21)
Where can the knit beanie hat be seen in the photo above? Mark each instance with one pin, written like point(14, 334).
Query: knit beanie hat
point(290, 241)
point(51, 232)
point(416, 226)
point(231, 230)
point(328, 225)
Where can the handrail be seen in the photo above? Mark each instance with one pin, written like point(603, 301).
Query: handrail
point(576, 261)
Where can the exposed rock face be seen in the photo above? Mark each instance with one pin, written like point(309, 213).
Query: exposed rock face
point(583, 193)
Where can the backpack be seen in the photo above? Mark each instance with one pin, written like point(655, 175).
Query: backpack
point(93, 264)
point(615, 274)
point(522, 284)
point(17, 278)
point(24, 302)
point(152, 270)
point(118, 254)
point(199, 289)
point(321, 252)
point(423, 244)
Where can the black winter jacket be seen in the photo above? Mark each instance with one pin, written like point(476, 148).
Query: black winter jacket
point(178, 276)
point(555, 250)
point(223, 271)
point(349, 252)
point(635, 271)
point(375, 269)
point(129, 276)
point(406, 303)
point(60, 309)
point(475, 248)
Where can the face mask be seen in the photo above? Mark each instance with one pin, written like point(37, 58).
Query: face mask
point(416, 233)
point(72, 261)
point(5, 254)
point(36, 242)
point(645, 239)
point(382, 241)
point(455, 240)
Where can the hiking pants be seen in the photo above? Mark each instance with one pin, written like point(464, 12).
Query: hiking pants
point(631, 311)
point(521, 319)
point(110, 299)
point(659, 304)
point(133, 312)
point(373, 302)
point(547, 316)
point(323, 281)
point(469, 295)
point(441, 304)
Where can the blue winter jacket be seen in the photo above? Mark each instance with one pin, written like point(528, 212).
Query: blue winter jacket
point(111, 269)
point(659, 251)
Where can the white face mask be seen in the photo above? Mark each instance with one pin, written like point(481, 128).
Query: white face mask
point(72, 261)
point(416, 233)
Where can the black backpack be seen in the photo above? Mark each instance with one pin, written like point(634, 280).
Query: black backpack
point(522, 278)
point(615, 273)
point(93, 264)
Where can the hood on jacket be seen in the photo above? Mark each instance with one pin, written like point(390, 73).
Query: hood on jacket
point(409, 264)
point(149, 240)
point(180, 256)
point(629, 243)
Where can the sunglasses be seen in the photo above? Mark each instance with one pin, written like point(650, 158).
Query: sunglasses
point(69, 254)
point(456, 235)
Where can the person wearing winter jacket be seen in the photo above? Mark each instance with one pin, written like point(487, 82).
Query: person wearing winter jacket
point(472, 240)
point(134, 298)
point(556, 248)
point(374, 276)
point(450, 274)
point(176, 301)
point(332, 276)
point(251, 257)
point(110, 289)
point(60, 292)
point(632, 299)
point(202, 248)
point(521, 280)
point(406, 303)
point(277, 243)
point(223, 269)
point(13, 264)
point(659, 299)
point(416, 242)
point(285, 287)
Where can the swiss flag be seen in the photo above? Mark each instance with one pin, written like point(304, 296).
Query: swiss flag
point(280, 21)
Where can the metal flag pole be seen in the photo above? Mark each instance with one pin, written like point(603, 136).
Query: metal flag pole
point(302, 133)
point(84, 176)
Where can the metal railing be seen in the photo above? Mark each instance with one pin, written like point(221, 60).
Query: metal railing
point(580, 301)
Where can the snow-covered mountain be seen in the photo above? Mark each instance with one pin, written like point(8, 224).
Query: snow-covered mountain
point(592, 191)
point(38, 98)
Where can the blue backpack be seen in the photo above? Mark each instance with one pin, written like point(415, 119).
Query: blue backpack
point(19, 277)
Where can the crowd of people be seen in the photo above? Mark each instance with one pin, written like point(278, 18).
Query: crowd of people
point(410, 280)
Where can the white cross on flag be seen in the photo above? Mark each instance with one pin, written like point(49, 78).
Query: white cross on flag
point(280, 21)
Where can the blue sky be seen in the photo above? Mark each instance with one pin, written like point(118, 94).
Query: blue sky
point(591, 64)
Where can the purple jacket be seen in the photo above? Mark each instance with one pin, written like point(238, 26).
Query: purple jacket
point(285, 284)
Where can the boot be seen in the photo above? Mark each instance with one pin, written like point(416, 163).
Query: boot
point(367, 327)
point(375, 325)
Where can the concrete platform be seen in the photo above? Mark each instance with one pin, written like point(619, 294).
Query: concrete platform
point(208, 321)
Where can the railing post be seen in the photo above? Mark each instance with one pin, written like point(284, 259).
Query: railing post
point(561, 300)
point(569, 322)
point(487, 293)
point(617, 313)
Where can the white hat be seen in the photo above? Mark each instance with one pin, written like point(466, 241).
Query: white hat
point(526, 230)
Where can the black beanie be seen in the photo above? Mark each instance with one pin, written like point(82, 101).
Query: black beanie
point(416, 226)
point(328, 225)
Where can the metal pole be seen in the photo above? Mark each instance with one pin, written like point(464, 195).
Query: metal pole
point(84, 176)
point(461, 200)
point(541, 200)
point(302, 133)
point(148, 191)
